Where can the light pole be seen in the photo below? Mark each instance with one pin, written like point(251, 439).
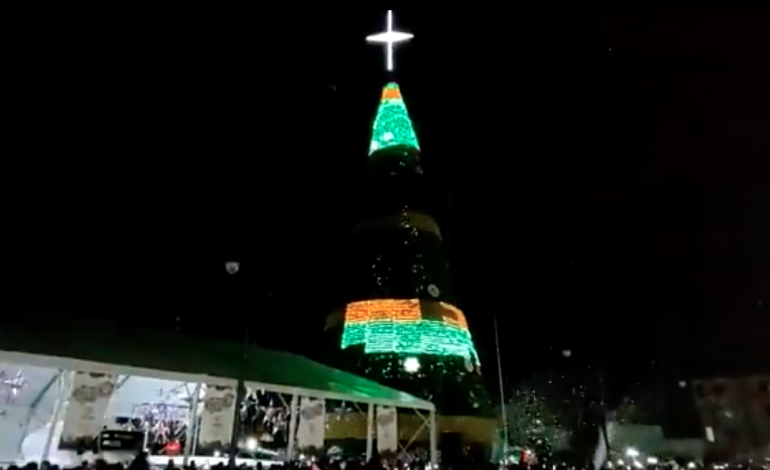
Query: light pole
point(232, 268)
point(605, 415)
point(503, 412)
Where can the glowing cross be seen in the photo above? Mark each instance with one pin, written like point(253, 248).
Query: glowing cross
point(389, 38)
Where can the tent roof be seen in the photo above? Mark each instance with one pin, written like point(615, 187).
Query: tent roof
point(144, 352)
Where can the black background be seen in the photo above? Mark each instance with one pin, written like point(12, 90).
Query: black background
point(605, 173)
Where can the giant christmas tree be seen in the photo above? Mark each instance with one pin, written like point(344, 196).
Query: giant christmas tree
point(401, 326)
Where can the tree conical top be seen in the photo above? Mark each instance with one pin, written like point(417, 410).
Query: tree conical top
point(392, 125)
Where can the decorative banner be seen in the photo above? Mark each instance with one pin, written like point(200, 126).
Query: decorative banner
point(387, 429)
point(217, 416)
point(84, 415)
point(312, 423)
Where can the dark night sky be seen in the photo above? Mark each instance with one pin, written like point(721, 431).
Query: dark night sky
point(605, 173)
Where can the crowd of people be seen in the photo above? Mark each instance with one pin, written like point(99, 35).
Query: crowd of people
point(141, 463)
point(411, 461)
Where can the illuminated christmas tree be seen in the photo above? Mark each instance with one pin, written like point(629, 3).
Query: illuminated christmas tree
point(401, 325)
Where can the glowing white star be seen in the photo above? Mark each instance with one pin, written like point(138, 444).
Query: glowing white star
point(389, 38)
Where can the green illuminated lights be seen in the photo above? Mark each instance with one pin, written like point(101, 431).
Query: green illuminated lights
point(392, 125)
point(423, 337)
point(408, 326)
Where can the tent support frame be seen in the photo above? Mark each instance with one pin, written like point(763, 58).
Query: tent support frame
point(433, 439)
point(425, 422)
point(63, 381)
point(369, 432)
point(293, 412)
point(35, 403)
point(192, 425)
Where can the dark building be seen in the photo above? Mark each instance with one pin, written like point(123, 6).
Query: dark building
point(735, 413)
point(401, 325)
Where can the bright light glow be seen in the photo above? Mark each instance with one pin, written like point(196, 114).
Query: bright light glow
point(637, 464)
point(691, 465)
point(408, 327)
point(389, 37)
point(710, 434)
point(392, 125)
point(217, 453)
point(631, 452)
point(251, 444)
point(652, 460)
point(411, 365)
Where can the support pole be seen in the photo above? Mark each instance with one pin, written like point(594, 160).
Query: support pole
point(433, 439)
point(35, 403)
point(293, 407)
point(369, 432)
point(194, 450)
point(58, 409)
point(503, 413)
point(233, 267)
point(240, 395)
point(192, 425)
point(605, 428)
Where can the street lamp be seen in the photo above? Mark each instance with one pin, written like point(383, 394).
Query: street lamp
point(503, 413)
point(232, 268)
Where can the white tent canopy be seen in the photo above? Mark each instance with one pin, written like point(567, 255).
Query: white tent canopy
point(148, 353)
point(48, 350)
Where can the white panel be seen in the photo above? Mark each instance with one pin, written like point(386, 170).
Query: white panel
point(84, 415)
point(311, 431)
point(217, 416)
point(387, 429)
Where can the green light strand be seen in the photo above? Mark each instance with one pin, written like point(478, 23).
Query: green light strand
point(423, 337)
point(392, 125)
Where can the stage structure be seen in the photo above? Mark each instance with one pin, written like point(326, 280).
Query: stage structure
point(60, 383)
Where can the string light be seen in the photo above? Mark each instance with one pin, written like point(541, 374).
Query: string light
point(409, 327)
point(392, 125)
